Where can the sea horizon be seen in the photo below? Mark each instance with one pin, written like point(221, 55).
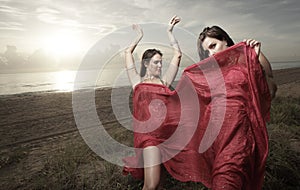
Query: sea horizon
point(63, 81)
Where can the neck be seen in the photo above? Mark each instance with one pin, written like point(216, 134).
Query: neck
point(152, 79)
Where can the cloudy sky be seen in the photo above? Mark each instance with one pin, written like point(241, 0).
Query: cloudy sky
point(72, 27)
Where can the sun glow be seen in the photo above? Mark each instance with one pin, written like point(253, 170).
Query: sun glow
point(62, 44)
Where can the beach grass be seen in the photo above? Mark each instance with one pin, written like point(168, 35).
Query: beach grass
point(75, 166)
point(41, 147)
point(283, 165)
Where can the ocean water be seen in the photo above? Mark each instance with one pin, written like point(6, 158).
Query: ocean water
point(285, 65)
point(60, 81)
point(63, 81)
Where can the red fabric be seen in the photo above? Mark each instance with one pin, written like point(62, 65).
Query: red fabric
point(211, 129)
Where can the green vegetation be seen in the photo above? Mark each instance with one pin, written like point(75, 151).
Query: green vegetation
point(283, 165)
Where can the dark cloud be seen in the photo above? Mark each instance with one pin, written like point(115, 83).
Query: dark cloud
point(12, 56)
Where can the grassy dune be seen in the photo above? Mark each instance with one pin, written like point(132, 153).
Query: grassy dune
point(41, 148)
point(74, 166)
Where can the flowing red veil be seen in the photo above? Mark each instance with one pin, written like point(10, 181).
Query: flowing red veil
point(212, 127)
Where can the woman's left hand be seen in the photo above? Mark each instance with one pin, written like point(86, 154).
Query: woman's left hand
point(175, 19)
point(254, 44)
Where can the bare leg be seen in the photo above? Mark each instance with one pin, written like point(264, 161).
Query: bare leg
point(152, 159)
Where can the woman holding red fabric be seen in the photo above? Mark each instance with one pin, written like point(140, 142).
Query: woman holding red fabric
point(241, 147)
point(150, 72)
point(214, 39)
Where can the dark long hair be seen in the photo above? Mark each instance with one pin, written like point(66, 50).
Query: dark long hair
point(147, 55)
point(212, 32)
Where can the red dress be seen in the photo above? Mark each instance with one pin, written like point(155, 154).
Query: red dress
point(211, 129)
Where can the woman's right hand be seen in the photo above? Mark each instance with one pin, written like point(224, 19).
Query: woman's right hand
point(138, 29)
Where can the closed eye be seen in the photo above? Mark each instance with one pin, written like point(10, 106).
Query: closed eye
point(156, 62)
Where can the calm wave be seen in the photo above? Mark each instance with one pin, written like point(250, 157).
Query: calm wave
point(285, 65)
point(63, 81)
point(60, 81)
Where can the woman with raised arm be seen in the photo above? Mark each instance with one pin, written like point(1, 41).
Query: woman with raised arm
point(150, 72)
point(151, 63)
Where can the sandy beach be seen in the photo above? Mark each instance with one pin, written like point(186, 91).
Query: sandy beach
point(41, 123)
point(288, 81)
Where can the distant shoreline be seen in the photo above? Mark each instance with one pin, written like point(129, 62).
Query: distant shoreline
point(32, 70)
point(281, 76)
point(292, 61)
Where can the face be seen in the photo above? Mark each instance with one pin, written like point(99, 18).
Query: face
point(213, 45)
point(154, 66)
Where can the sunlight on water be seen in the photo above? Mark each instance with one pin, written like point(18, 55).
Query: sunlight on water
point(64, 80)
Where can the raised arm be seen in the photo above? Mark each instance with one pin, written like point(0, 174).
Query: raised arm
point(133, 75)
point(170, 75)
point(265, 64)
